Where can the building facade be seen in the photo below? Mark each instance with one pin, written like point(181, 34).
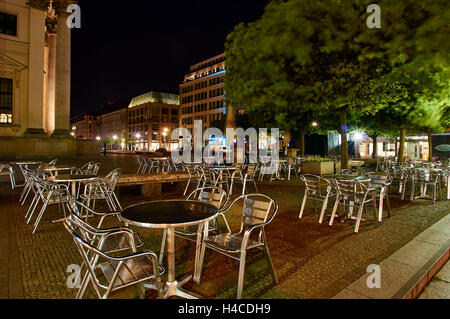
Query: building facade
point(151, 119)
point(202, 93)
point(35, 79)
point(85, 126)
point(113, 123)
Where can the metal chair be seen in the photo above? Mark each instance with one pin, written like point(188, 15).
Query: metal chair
point(49, 193)
point(316, 189)
point(103, 190)
point(213, 195)
point(195, 175)
point(351, 192)
point(249, 176)
point(7, 170)
point(142, 165)
point(381, 182)
point(51, 163)
point(258, 211)
point(423, 179)
point(114, 273)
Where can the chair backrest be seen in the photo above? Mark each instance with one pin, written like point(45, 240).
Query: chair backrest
point(112, 178)
point(346, 187)
point(5, 168)
point(252, 169)
point(315, 184)
point(213, 195)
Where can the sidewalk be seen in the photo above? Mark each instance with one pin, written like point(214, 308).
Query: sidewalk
point(406, 272)
point(311, 260)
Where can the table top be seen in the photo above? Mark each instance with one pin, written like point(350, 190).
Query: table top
point(27, 163)
point(346, 176)
point(72, 178)
point(56, 168)
point(169, 213)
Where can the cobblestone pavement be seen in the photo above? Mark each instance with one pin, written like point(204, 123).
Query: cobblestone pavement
point(311, 260)
point(439, 287)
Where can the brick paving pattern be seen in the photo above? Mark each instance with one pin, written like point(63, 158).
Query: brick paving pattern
point(311, 260)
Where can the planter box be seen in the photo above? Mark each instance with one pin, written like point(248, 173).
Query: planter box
point(317, 168)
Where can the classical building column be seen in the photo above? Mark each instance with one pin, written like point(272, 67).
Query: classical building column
point(36, 69)
point(62, 75)
point(49, 93)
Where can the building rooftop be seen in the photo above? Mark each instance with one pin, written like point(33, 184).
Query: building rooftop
point(155, 97)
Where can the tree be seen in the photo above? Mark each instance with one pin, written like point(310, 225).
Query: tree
point(321, 57)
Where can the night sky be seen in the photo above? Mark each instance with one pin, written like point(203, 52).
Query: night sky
point(128, 48)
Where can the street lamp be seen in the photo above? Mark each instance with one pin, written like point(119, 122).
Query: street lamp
point(315, 124)
point(98, 138)
point(115, 137)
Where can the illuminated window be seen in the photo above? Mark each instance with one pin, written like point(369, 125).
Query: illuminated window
point(8, 24)
point(6, 93)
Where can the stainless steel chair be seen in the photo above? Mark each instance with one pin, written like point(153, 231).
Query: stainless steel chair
point(213, 195)
point(49, 194)
point(381, 182)
point(104, 189)
point(142, 165)
point(195, 175)
point(258, 211)
point(243, 178)
point(51, 163)
point(108, 273)
point(424, 179)
point(350, 193)
point(316, 189)
point(7, 170)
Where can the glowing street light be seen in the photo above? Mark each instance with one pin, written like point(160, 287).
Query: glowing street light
point(315, 124)
point(115, 137)
point(358, 136)
point(98, 138)
point(138, 136)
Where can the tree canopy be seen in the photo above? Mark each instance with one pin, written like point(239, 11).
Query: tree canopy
point(310, 59)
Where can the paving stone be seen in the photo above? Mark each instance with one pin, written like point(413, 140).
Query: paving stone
point(415, 253)
point(311, 260)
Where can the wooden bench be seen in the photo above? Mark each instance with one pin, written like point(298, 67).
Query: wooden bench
point(151, 184)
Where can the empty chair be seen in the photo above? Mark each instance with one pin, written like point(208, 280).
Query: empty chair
point(195, 176)
point(425, 179)
point(381, 182)
point(49, 194)
point(350, 193)
point(243, 178)
point(108, 273)
point(213, 195)
point(258, 211)
point(103, 189)
point(142, 165)
point(316, 189)
point(51, 163)
point(7, 170)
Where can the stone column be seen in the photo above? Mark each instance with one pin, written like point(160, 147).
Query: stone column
point(36, 71)
point(49, 103)
point(62, 75)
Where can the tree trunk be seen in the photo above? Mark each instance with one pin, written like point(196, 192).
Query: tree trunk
point(375, 146)
point(430, 147)
point(302, 142)
point(344, 142)
point(401, 150)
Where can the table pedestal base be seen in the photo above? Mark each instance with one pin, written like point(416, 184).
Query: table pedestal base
point(175, 289)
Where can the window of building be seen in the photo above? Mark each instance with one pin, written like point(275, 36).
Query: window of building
point(6, 100)
point(8, 24)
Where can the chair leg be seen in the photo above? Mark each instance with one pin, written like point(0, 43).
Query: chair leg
point(324, 208)
point(358, 220)
point(305, 198)
point(163, 246)
point(38, 219)
point(241, 274)
point(333, 214)
point(256, 187)
point(269, 259)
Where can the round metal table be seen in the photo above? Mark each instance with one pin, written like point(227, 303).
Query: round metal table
point(54, 170)
point(171, 214)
